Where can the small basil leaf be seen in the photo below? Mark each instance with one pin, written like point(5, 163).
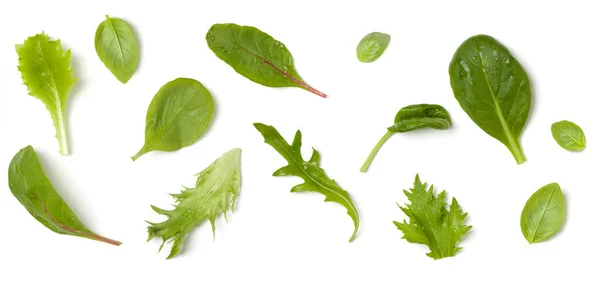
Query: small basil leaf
point(30, 185)
point(256, 55)
point(493, 89)
point(409, 118)
point(372, 46)
point(568, 135)
point(117, 48)
point(178, 116)
point(543, 214)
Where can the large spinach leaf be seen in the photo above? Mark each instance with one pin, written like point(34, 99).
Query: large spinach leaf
point(178, 116)
point(29, 184)
point(256, 55)
point(493, 89)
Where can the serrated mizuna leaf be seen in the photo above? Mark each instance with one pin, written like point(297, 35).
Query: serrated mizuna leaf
point(256, 55)
point(30, 185)
point(216, 191)
point(117, 48)
point(46, 71)
point(315, 179)
point(431, 222)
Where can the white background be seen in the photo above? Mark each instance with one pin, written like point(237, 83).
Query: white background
point(277, 239)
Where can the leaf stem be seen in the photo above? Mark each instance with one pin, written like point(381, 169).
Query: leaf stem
point(516, 151)
point(371, 156)
point(61, 133)
point(139, 154)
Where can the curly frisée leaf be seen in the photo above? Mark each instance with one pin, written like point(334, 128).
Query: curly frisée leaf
point(216, 191)
point(315, 179)
point(46, 71)
point(431, 222)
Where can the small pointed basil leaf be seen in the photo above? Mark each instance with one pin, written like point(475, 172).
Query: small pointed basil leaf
point(409, 118)
point(178, 116)
point(29, 184)
point(117, 48)
point(493, 89)
point(568, 135)
point(372, 46)
point(543, 214)
point(256, 55)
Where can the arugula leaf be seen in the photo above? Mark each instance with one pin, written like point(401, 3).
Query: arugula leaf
point(30, 185)
point(543, 214)
point(493, 89)
point(216, 191)
point(410, 118)
point(372, 46)
point(568, 135)
point(46, 71)
point(256, 55)
point(177, 117)
point(431, 222)
point(315, 179)
point(117, 48)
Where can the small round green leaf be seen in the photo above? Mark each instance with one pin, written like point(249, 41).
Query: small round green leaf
point(178, 116)
point(543, 214)
point(568, 135)
point(372, 46)
point(117, 48)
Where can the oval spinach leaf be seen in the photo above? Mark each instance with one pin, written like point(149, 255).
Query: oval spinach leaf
point(409, 118)
point(256, 55)
point(372, 46)
point(117, 48)
point(178, 116)
point(568, 135)
point(544, 214)
point(29, 184)
point(493, 89)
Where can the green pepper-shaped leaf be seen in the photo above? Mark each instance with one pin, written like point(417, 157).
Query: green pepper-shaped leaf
point(117, 48)
point(256, 55)
point(568, 135)
point(409, 118)
point(178, 116)
point(493, 89)
point(46, 71)
point(29, 184)
point(315, 179)
point(372, 46)
point(543, 214)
